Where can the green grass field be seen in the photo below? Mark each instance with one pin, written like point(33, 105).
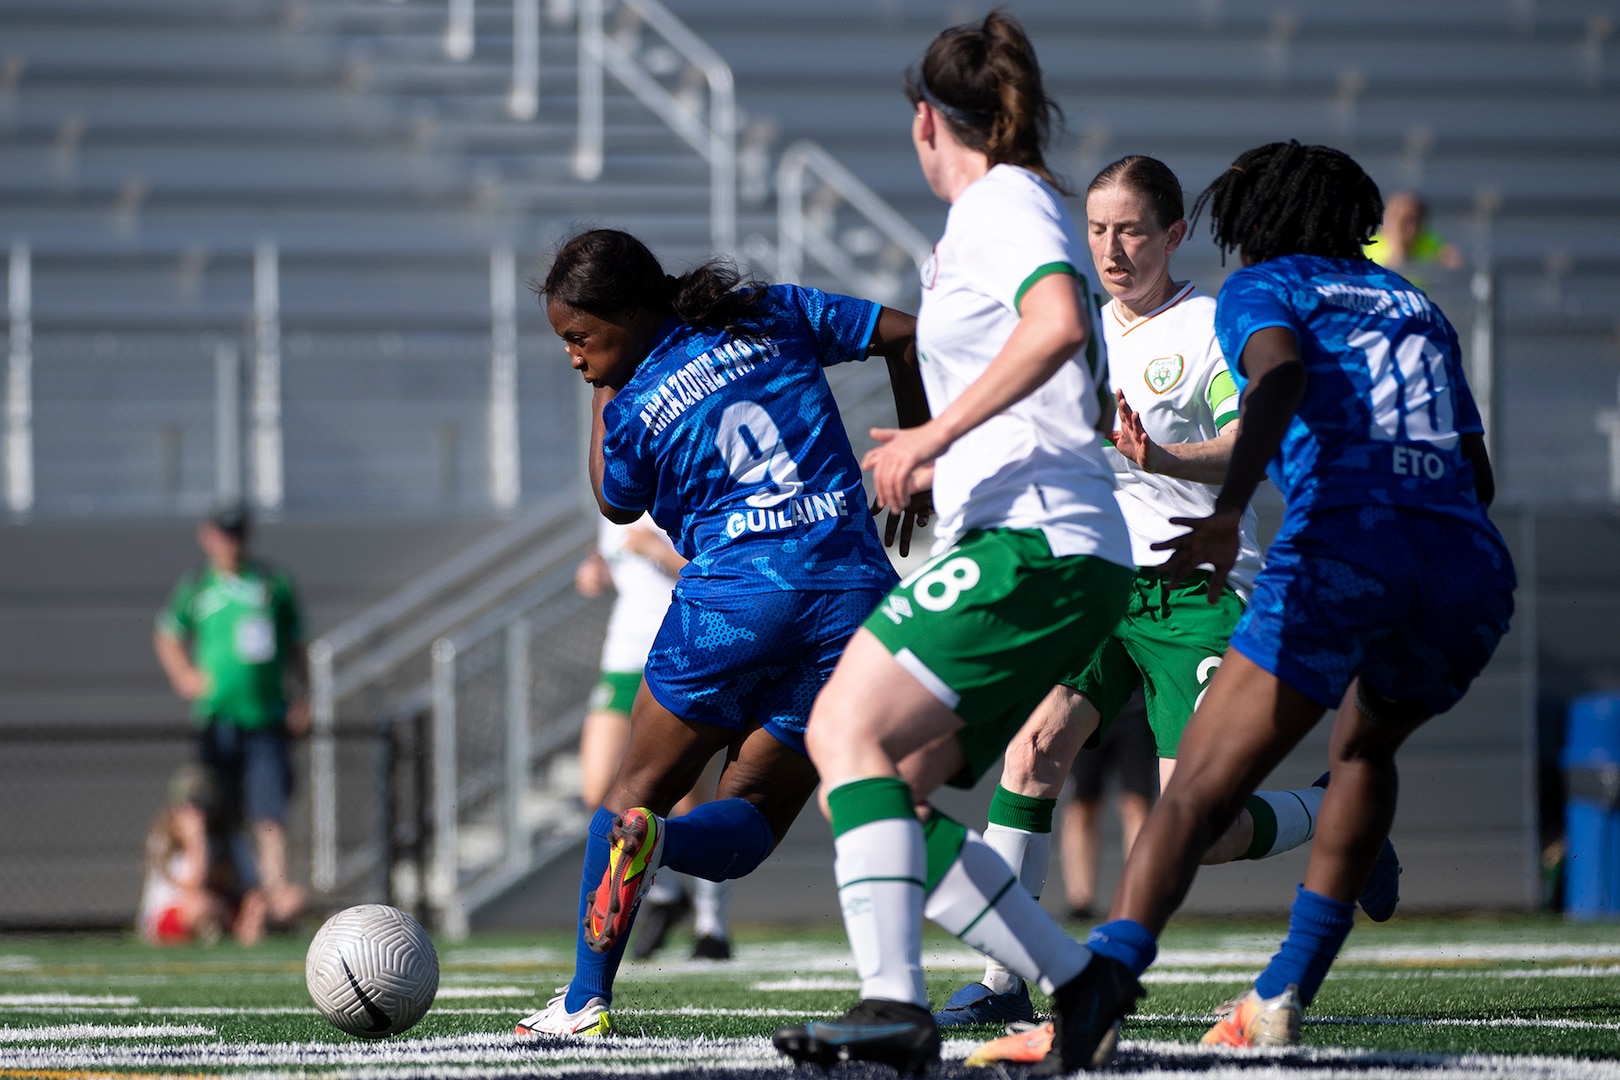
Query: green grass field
point(1417, 997)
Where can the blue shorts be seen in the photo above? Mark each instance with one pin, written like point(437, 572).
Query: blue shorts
point(1414, 603)
point(754, 659)
point(253, 768)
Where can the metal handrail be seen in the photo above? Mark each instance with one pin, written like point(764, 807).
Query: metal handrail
point(715, 141)
point(795, 239)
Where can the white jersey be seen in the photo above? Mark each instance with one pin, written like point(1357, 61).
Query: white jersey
point(645, 591)
point(1171, 369)
point(1039, 463)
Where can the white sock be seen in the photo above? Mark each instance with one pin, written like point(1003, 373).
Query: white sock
point(710, 901)
point(981, 902)
point(1027, 854)
point(665, 888)
point(880, 868)
point(1296, 819)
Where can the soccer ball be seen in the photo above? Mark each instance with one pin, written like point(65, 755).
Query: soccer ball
point(372, 971)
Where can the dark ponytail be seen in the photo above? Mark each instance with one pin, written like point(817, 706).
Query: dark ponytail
point(1288, 199)
point(606, 272)
point(985, 82)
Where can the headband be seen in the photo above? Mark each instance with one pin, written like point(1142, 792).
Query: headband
point(970, 118)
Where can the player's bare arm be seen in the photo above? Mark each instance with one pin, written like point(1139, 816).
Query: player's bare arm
point(1052, 327)
point(895, 339)
point(1277, 383)
point(1473, 448)
point(1203, 461)
point(600, 396)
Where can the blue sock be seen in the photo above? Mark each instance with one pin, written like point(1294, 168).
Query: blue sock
point(723, 839)
point(593, 971)
point(1317, 928)
point(1127, 941)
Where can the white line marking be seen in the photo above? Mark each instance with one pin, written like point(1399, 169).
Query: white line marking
point(789, 985)
point(451, 993)
point(100, 1031)
point(13, 1000)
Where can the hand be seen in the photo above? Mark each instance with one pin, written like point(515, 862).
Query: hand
point(914, 516)
point(1131, 438)
point(901, 463)
point(1212, 540)
point(592, 577)
point(298, 717)
point(191, 683)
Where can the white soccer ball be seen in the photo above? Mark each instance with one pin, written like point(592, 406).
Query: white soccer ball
point(372, 971)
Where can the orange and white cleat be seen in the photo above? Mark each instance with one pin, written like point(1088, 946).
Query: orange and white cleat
point(1028, 1044)
point(1251, 1020)
point(636, 846)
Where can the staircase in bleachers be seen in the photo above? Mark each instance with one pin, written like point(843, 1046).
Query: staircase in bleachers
point(1504, 113)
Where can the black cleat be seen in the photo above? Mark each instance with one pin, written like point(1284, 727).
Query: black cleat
point(711, 947)
point(893, 1033)
point(655, 923)
point(1085, 1012)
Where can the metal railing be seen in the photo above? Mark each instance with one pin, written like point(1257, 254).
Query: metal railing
point(620, 55)
point(375, 666)
point(811, 186)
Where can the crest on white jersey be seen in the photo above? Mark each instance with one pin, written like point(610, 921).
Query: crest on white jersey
point(930, 270)
point(1162, 374)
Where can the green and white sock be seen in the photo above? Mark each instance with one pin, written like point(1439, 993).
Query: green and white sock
point(974, 895)
point(1283, 820)
point(880, 868)
point(1020, 831)
point(711, 900)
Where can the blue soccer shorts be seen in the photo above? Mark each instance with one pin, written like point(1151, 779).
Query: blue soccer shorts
point(1414, 603)
point(748, 660)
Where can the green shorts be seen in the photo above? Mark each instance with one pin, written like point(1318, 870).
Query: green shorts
point(615, 691)
point(990, 626)
point(1169, 643)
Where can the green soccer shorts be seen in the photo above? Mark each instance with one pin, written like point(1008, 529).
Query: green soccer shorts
point(1170, 642)
point(990, 626)
point(615, 691)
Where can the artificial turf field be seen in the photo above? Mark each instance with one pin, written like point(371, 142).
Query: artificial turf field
point(1418, 997)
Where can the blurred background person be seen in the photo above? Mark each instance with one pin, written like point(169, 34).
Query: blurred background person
point(190, 893)
point(230, 641)
point(640, 565)
point(1405, 239)
point(1126, 753)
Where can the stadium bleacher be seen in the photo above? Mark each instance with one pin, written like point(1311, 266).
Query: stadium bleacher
point(148, 150)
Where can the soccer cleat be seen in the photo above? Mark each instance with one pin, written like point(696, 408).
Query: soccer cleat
point(1383, 889)
point(976, 1003)
point(1252, 1021)
point(711, 947)
point(654, 925)
point(894, 1033)
point(557, 1022)
point(1086, 1012)
point(637, 843)
point(1028, 1044)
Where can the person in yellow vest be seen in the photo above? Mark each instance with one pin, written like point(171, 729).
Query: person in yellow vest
point(1404, 239)
point(230, 641)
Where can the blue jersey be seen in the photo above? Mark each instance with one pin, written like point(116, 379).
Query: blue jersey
point(735, 446)
point(1386, 400)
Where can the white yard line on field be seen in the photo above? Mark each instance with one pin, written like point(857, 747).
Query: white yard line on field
point(59, 1032)
point(10, 1001)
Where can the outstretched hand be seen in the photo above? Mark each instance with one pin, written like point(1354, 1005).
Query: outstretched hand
point(902, 464)
point(1212, 540)
point(915, 516)
point(1131, 438)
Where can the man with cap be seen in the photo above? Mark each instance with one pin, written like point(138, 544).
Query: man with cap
point(230, 640)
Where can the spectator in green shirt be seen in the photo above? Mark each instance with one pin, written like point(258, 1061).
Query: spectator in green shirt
point(230, 641)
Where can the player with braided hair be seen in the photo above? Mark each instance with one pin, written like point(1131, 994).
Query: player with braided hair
point(1383, 596)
